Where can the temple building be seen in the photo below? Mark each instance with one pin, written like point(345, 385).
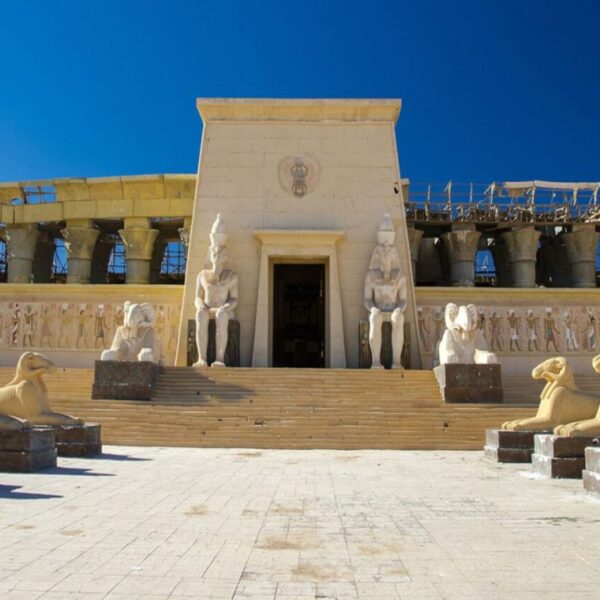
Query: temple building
point(302, 186)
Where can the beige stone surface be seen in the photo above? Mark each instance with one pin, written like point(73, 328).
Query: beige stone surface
point(104, 197)
point(519, 352)
point(158, 523)
point(244, 143)
point(73, 323)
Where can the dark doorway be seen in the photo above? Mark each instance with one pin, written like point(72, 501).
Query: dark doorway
point(299, 315)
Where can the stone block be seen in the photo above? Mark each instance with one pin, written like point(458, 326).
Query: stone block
point(232, 352)
point(592, 459)
point(124, 380)
point(470, 383)
point(559, 456)
point(557, 468)
point(27, 451)
point(591, 481)
point(78, 440)
point(509, 446)
point(364, 350)
point(557, 446)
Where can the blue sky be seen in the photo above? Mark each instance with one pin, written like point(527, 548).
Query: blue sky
point(491, 90)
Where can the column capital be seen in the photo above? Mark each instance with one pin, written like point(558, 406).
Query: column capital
point(461, 245)
point(139, 242)
point(184, 234)
point(521, 244)
point(21, 241)
point(80, 241)
point(581, 245)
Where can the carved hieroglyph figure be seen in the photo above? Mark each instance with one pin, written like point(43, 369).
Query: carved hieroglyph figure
point(561, 402)
point(385, 294)
point(216, 296)
point(24, 401)
point(463, 342)
point(135, 340)
point(586, 427)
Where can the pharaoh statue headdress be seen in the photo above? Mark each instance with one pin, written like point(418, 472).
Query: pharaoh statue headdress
point(218, 240)
point(383, 254)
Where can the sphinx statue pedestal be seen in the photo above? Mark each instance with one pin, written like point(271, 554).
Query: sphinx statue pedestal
point(124, 380)
point(78, 441)
point(560, 457)
point(591, 474)
point(505, 446)
point(27, 451)
point(476, 384)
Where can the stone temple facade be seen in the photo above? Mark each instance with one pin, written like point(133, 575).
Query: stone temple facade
point(302, 185)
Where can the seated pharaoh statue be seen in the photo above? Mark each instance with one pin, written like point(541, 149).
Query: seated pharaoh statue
point(216, 296)
point(24, 400)
point(385, 295)
point(136, 339)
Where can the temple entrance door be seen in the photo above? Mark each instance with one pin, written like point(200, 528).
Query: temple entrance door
point(299, 315)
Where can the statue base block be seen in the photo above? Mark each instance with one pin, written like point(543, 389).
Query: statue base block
point(78, 440)
point(591, 474)
point(560, 457)
point(509, 446)
point(478, 384)
point(124, 380)
point(27, 451)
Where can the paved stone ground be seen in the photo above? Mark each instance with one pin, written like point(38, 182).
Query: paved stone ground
point(158, 523)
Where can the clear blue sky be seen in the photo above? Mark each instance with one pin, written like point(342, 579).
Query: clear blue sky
point(492, 90)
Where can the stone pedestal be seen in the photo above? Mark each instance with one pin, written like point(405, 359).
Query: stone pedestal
point(461, 247)
point(581, 247)
point(365, 360)
point(414, 241)
point(27, 451)
point(78, 440)
point(509, 446)
point(139, 244)
point(124, 380)
point(521, 245)
point(20, 249)
point(478, 384)
point(559, 457)
point(80, 240)
point(591, 473)
point(232, 352)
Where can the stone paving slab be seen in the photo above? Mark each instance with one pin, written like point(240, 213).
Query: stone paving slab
point(158, 523)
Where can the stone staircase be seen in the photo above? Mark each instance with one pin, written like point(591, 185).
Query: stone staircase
point(283, 408)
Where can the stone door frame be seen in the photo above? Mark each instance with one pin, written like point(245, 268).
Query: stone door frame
point(298, 246)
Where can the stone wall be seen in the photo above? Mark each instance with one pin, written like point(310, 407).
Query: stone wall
point(524, 327)
point(73, 324)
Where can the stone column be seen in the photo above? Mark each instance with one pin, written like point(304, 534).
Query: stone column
point(429, 267)
point(414, 240)
point(581, 245)
point(184, 233)
point(138, 238)
point(522, 245)
point(20, 248)
point(501, 262)
point(461, 247)
point(80, 240)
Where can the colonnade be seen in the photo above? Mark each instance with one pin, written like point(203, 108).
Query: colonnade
point(523, 256)
point(30, 250)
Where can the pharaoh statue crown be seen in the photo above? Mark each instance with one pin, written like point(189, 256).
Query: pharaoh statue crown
point(218, 232)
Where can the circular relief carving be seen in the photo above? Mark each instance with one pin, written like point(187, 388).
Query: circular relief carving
point(298, 175)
